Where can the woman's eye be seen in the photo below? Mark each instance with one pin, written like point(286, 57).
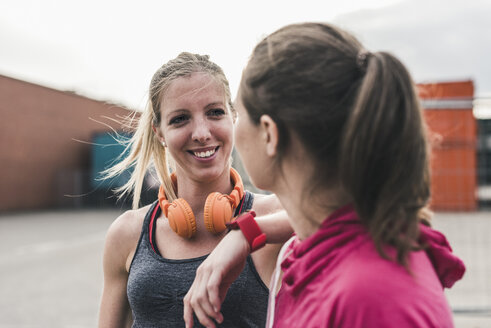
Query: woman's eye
point(216, 112)
point(178, 119)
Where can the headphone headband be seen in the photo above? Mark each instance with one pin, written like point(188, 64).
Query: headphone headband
point(238, 193)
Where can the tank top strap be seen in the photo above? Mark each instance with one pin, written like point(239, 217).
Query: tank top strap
point(146, 227)
point(150, 223)
point(152, 213)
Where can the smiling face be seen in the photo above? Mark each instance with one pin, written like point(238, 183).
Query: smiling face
point(197, 127)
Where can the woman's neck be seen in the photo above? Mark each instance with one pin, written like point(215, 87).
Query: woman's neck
point(307, 207)
point(195, 192)
point(307, 214)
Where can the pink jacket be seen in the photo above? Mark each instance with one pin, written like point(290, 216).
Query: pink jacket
point(336, 278)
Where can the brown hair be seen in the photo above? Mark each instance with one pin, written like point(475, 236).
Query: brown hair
point(357, 115)
point(143, 147)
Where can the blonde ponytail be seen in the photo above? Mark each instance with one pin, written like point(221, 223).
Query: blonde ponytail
point(144, 150)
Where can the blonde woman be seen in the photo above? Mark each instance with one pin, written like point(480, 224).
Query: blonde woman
point(151, 254)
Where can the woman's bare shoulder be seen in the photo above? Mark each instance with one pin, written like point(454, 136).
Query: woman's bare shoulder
point(130, 221)
point(125, 230)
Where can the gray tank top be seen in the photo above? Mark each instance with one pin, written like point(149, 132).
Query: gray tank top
point(156, 285)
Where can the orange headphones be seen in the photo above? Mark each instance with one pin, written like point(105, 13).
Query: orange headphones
point(218, 211)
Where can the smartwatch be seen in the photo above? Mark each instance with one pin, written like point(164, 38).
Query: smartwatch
point(249, 227)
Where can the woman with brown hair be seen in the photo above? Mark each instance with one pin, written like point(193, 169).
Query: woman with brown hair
point(337, 133)
point(151, 254)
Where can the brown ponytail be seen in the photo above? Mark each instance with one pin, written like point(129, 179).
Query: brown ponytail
point(383, 161)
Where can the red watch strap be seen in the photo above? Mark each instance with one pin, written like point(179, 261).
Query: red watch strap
point(249, 227)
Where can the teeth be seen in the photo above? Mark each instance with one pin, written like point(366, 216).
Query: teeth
point(204, 153)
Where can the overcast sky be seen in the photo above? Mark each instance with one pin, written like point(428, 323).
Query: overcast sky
point(109, 50)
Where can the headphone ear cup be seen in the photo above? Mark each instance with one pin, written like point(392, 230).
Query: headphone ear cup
point(218, 212)
point(181, 218)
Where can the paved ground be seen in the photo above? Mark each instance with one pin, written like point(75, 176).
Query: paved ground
point(50, 268)
point(470, 236)
point(51, 276)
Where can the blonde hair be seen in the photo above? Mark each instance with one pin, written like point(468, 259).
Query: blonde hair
point(144, 148)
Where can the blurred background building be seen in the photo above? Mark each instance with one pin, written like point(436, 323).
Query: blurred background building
point(46, 145)
point(54, 145)
point(448, 110)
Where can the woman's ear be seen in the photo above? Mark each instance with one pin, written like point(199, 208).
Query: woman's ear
point(269, 131)
point(158, 135)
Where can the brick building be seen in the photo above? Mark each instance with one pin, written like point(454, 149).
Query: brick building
point(42, 158)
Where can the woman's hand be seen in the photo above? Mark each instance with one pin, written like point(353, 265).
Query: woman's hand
point(213, 279)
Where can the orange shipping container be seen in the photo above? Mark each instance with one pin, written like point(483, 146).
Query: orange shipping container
point(453, 134)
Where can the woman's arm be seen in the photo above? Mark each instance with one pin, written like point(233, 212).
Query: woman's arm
point(226, 262)
point(273, 221)
point(120, 242)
